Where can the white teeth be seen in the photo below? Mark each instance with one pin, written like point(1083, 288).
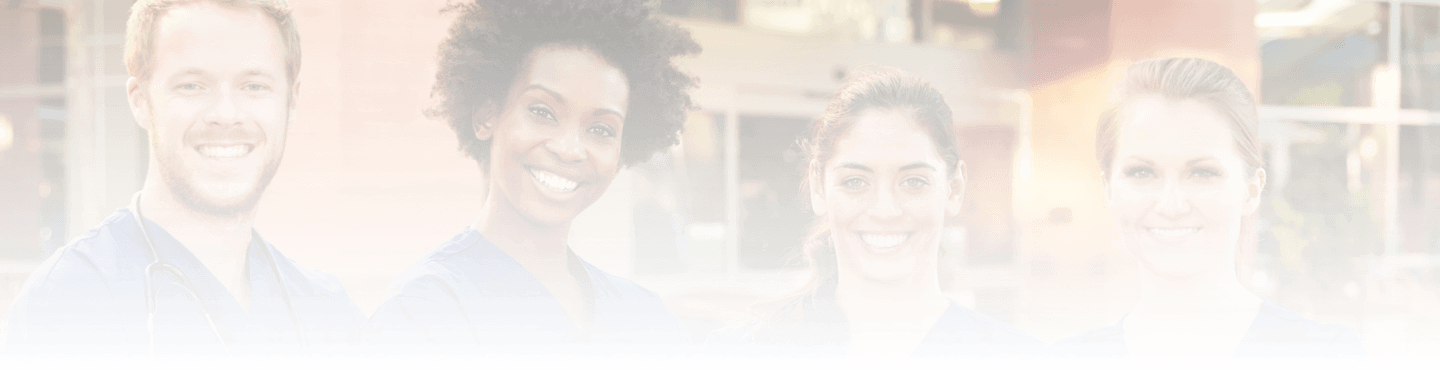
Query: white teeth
point(1173, 232)
point(553, 181)
point(883, 240)
point(232, 151)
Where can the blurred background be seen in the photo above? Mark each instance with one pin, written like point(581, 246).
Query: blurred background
point(1350, 94)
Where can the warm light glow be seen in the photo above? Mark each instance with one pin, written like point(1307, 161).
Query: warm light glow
point(1352, 290)
point(7, 134)
point(955, 238)
point(1312, 14)
point(965, 298)
point(706, 232)
point(984, 8)
point(1369, 148)
point(1260, 281)
point(788, 19)
point(1352, 172)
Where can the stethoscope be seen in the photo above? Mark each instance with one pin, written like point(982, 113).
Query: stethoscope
point(159, 264)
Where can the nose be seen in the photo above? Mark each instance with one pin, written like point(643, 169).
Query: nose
point(567, 147)
point(885, 206)
point(1173, 201)
point(224, 112)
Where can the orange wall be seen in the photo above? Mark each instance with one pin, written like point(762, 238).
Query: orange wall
point(1080, 278)
point(368, 184)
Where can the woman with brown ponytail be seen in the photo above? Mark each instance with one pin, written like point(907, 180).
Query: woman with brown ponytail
point(1183, 169)
point(884, 174)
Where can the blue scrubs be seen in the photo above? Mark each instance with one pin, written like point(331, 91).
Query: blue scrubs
point(960, 332)
point(90, 297)
point(468, 296)
point(1276, 332)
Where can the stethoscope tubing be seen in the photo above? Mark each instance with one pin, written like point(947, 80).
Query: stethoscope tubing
point(158, 264)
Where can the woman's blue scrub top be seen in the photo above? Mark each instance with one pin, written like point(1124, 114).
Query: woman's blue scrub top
point(468, 296)
point(1276, 332)
point(960, 332)
point(90, 297)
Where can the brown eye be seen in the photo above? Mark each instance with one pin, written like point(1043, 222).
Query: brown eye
point(601, 131)
point(542, 112)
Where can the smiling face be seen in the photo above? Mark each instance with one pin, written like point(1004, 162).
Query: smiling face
point(556, 141)
point(1179, 188)
point(217, 105)
point(885, 194)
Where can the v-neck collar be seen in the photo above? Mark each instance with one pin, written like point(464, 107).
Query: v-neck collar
point(1265, 307)
point(224, 308)
point(562, 323)
point(824, 321)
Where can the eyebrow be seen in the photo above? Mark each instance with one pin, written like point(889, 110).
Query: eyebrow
point(861, 167)
point(561, 99)
point(202, 72)
point(258, 72)
point(191, 71)
point(918, 165)
point(1187, 163)
point(855, 166)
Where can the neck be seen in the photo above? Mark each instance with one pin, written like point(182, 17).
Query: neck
point(220, 242)
point(867, 300)
point(1218, 290)
point(541, 248)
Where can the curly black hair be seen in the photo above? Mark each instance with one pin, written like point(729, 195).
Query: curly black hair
point(491, 42)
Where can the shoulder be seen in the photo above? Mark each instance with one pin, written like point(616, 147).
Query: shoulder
point(1103, 341)
point(315, 286)
point(733, 335)
point(739, 340)
point(437, 273)
point(314, 282)
point(1001, 333)
point(1107, 335)
point(624, 290)
point(1276, 324)
point(73, 288)
point(89, 263)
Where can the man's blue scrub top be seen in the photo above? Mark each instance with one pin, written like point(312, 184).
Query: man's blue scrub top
point(960, 332)
point(468, 296)
point(1276, 332)
point(90, 297)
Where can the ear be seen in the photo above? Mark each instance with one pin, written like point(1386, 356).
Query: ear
point(483, 121)
point(817, 194)
point(956, 201)
point(139, 102)
point(1255, 186)
point(1105, 181)
point(294, 99)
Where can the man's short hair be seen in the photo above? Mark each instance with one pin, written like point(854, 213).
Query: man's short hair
point(140, 32)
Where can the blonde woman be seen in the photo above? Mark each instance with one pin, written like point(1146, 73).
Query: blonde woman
point(1183, 171)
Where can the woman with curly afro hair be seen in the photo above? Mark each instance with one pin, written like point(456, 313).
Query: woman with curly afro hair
point(551, 98)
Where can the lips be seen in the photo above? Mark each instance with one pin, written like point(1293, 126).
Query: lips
point(1172, 232)
point(553, 182)
point(224, 151)
point(883, 240)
